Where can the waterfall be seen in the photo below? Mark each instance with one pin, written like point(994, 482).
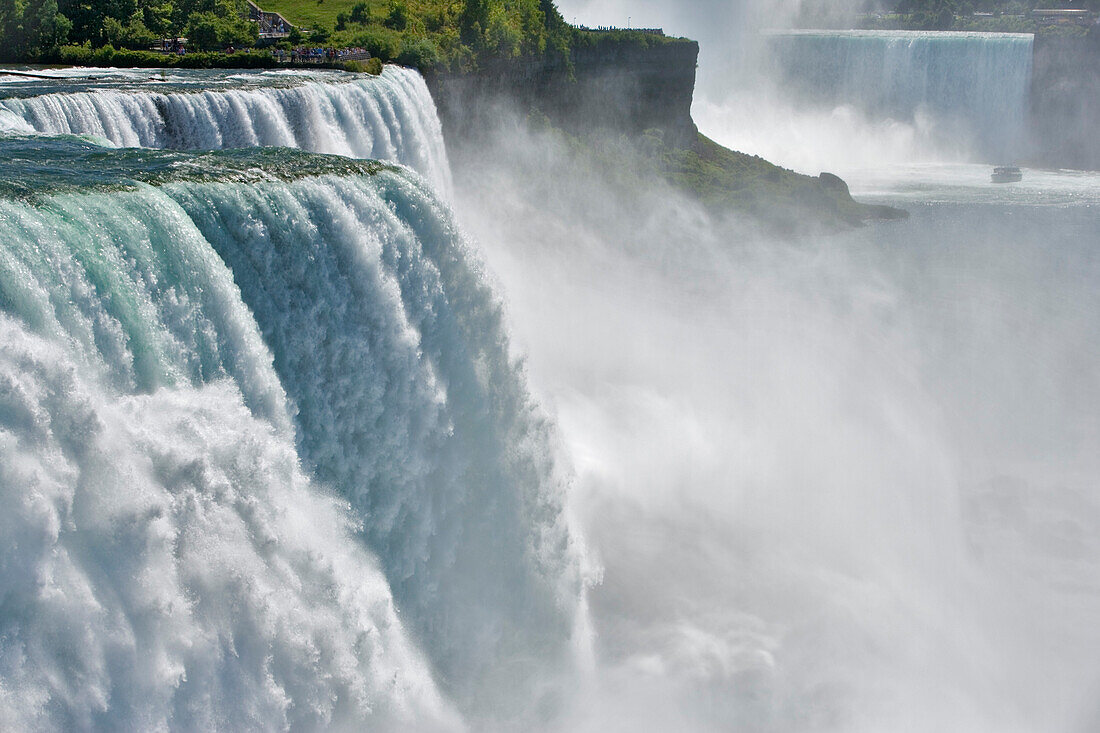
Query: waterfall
point(390, 117)
point(188, 371)
point(974, 85)
point(418, 417)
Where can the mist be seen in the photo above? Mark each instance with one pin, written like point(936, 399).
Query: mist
point(845, 482)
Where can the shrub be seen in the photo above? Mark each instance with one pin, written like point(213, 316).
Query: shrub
point(371, 66)
point(133, 35)
point(207, 32)
point(385, 43)
point(108, 55)
point(398, 16)
point(419, 53)
point(360, 13)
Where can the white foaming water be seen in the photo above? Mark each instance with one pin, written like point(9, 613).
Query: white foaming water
point(166, 563)
point(13, 123)
point(842, 139)
point(170, 563)
point(393, 353)
point(391, 117)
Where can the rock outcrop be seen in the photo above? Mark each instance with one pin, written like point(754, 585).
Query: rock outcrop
point(618, 86)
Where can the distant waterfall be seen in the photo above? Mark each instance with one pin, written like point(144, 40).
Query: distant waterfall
point(976, 84)
point(390, 117)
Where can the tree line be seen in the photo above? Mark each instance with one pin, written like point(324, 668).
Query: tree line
point(452, 33)
point(33, 29)
point(941, 14)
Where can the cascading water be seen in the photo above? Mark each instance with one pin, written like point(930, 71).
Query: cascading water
point(974, 84)
point(390, 117)
point(420, 419)
point(175, 351)
point(854, 101)
point(168, 564)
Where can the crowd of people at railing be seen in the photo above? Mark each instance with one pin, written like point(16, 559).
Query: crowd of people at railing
point(613, 29)
point(319, 55)
point(296, 55)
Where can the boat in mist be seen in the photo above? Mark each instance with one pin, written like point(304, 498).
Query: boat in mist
point(1006, 174)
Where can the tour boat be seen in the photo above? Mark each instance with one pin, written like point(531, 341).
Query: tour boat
point(1006, 174)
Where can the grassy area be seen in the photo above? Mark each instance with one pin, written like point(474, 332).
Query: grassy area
point(322, 13)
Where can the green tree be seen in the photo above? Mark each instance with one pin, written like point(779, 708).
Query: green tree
point(502, 37)
point(472, 22)
point(398, 16)
point(360, 13)
point(89, 17)
point(208, 31)
point(135, 34)
point(29, 31)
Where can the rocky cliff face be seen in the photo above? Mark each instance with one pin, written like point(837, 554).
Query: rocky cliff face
point(1065, 102)
point(620, 87)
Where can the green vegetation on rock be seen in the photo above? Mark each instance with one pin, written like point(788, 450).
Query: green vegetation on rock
point(122, 57)
point(435, 33)
point(724, 179)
